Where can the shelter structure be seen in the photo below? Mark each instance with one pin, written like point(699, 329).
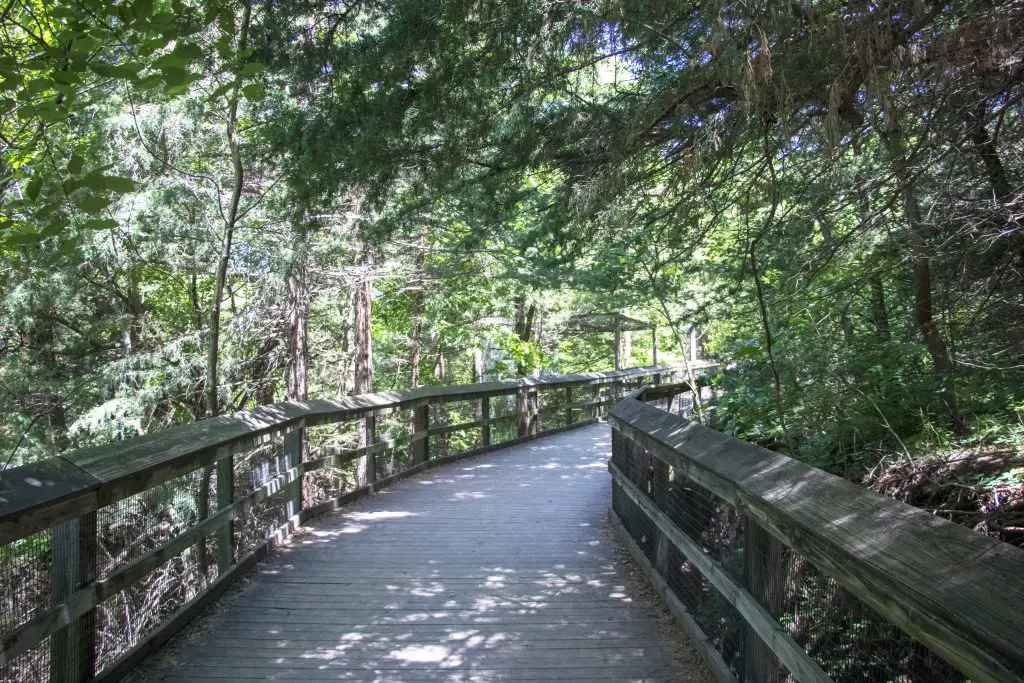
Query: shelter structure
point(616, 323)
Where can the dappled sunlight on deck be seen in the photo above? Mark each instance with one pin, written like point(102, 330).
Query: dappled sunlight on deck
point(497, 567)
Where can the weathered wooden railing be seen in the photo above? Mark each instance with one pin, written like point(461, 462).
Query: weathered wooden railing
point(106, 553)
point(780, 571)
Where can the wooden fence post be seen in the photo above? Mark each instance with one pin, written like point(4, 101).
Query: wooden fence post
point(522, 408)
point(225, 498)
point(421, 423)
point(371, 458)
point(533, 401)
point(765, 578)
point(568, 403)
point(485, 417)
point(73, 648)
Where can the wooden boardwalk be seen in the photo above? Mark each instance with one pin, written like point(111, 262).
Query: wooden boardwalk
point(499, 567)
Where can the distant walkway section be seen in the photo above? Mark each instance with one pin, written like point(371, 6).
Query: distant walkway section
point(498, 567)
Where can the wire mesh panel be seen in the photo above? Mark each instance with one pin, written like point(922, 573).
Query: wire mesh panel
point(503, 418)
point(330, 480)
point(255, 470)
point(157, 550)
point(450, 414)
point(127, 617)
point(394, 427)
point(849, 640)
point(32, 666)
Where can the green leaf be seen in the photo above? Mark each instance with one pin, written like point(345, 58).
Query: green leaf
point(227, 21)
point(143, 9)
point(95, 181)
point(251, 69)
point(76, 164)
point(222, 90)
point(34, 186)
point(84, 43)
point(151, 46)
point(100, 224)
point(149, 82)
point(54, 227)
point(173, 75)
point(169, 61)
point(254, 92)
point(92, 203)
point(188, 51)
point(23, 238)
point(123, 71)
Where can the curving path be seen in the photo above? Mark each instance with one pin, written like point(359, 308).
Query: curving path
point(494, 568)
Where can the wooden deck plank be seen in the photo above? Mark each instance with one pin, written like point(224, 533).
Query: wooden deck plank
point(495, 568)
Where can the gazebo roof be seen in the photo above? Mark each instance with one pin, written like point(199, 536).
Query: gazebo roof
point(606, 322)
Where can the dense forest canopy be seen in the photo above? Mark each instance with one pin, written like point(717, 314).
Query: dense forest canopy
point(209, 206)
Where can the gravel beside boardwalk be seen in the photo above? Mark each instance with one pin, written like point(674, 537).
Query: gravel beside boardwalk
point(495, 568)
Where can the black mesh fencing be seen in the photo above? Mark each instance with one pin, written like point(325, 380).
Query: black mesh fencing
point(155, 562)
point(847, 638)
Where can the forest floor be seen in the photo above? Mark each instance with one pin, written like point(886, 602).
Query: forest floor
point(981, 488)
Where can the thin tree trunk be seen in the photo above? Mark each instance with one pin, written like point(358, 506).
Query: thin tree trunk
point(297, 313)
point(879, 312)
point(231, 220)
point(230, 223)
point(921, 269)
point(364, 354)
point(419, 299)
point(627, 344)
point(762, 304)
point(989, 155)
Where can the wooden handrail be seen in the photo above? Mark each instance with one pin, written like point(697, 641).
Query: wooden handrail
point(957, 592)
point(65, 496)
point(34, 497)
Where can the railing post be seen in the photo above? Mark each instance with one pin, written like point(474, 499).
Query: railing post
point(371, 458)
point(568, 409)
point(595, 396)
point(73, 648)
point(522, 410)
point(225, 498)
point(764, 571)
point(534, 404)
point(421, 423)
point(485, 416)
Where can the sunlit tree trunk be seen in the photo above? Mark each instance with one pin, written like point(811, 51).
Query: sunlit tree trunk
point(364, 352)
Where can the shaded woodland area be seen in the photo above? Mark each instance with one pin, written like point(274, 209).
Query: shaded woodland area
point(209, 206)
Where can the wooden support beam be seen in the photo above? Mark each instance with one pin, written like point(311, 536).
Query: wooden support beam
point(485, 417)
point(225, 499)
point(420, 450)
point(73, 648)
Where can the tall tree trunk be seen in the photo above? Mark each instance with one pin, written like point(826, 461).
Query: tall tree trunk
point(523, 328)
point(297, 315)
point(364, 353)
point(212, 403)
point(230, 223)
point(345, 375)
point(879, 312)
point(627, 344)
point(418, 300)
point(921, 269)
point(297, 302)
point(989, 155)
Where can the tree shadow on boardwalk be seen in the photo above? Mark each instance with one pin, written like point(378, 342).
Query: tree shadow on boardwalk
point(497, 568)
